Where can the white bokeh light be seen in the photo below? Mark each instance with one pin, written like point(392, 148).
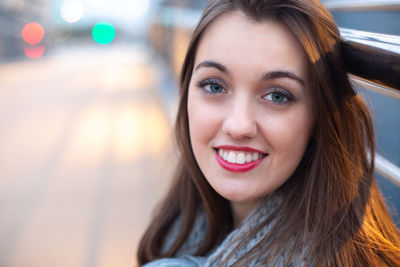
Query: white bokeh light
point(71, 11)
point(96, 3)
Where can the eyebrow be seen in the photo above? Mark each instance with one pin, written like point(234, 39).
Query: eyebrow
point(267, 76)
point(212, 64)
point(282, 74)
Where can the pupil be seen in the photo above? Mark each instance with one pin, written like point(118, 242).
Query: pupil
point(277, 98)
point(215, 88)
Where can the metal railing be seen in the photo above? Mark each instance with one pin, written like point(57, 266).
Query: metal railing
point(387, 169)
point(381, 43)
point(386, 42)
point(348, 5)
point(386, 45)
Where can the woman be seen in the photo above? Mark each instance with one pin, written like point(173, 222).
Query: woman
point(276, 148)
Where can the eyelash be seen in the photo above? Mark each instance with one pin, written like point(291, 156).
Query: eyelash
point(211, 81)
point(276, 90)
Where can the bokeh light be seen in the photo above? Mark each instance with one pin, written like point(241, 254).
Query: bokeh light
point(33, 33)
point(103, 32)
point(34, 51)
point(56, 13)
point(71, 11)
point(96, 3)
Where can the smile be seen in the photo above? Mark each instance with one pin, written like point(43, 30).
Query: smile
point(237, 159)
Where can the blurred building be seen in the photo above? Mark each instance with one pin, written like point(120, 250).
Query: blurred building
point(9, 39)
point(170, 29)
point(192, 4)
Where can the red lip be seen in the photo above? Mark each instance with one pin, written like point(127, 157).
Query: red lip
point(233, 167)
point(241, 148)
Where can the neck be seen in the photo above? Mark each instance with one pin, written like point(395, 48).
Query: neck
point(240, 210)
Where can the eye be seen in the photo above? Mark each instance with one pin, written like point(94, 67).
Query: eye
point(279, 97)
point(276, 97)
point(212, 86)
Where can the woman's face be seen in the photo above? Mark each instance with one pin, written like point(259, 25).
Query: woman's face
point(249, 107)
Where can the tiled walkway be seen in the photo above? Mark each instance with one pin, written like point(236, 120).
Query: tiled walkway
point(85, 153)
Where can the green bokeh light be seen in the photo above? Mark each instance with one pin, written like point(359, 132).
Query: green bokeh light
point(103, 32)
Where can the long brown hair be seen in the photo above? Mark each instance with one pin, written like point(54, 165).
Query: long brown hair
point(331, 199)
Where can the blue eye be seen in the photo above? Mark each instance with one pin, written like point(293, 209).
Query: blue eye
point(212, 86)
point(276, 97)
point(279, 97)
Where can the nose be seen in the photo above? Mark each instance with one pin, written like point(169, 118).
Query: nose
point(240, 121)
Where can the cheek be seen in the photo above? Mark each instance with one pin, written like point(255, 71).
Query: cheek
point(288, 135)
point(202, 121)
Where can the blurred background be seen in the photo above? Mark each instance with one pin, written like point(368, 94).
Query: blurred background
point(88, 96)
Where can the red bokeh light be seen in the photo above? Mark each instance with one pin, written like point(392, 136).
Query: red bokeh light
point(34, 51)
point(33, 33)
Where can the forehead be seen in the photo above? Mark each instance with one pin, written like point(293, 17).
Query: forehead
point(235, 40)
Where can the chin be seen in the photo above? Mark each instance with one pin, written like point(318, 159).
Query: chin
point(237, 195)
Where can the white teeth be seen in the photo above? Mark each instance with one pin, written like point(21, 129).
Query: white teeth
point(240, 158)
point(249, 158)
point(232, 157)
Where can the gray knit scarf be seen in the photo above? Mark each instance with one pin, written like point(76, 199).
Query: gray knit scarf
point(223, 252)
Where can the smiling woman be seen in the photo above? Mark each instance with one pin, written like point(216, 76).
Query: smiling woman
point(249, 98)
point(274, 148)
